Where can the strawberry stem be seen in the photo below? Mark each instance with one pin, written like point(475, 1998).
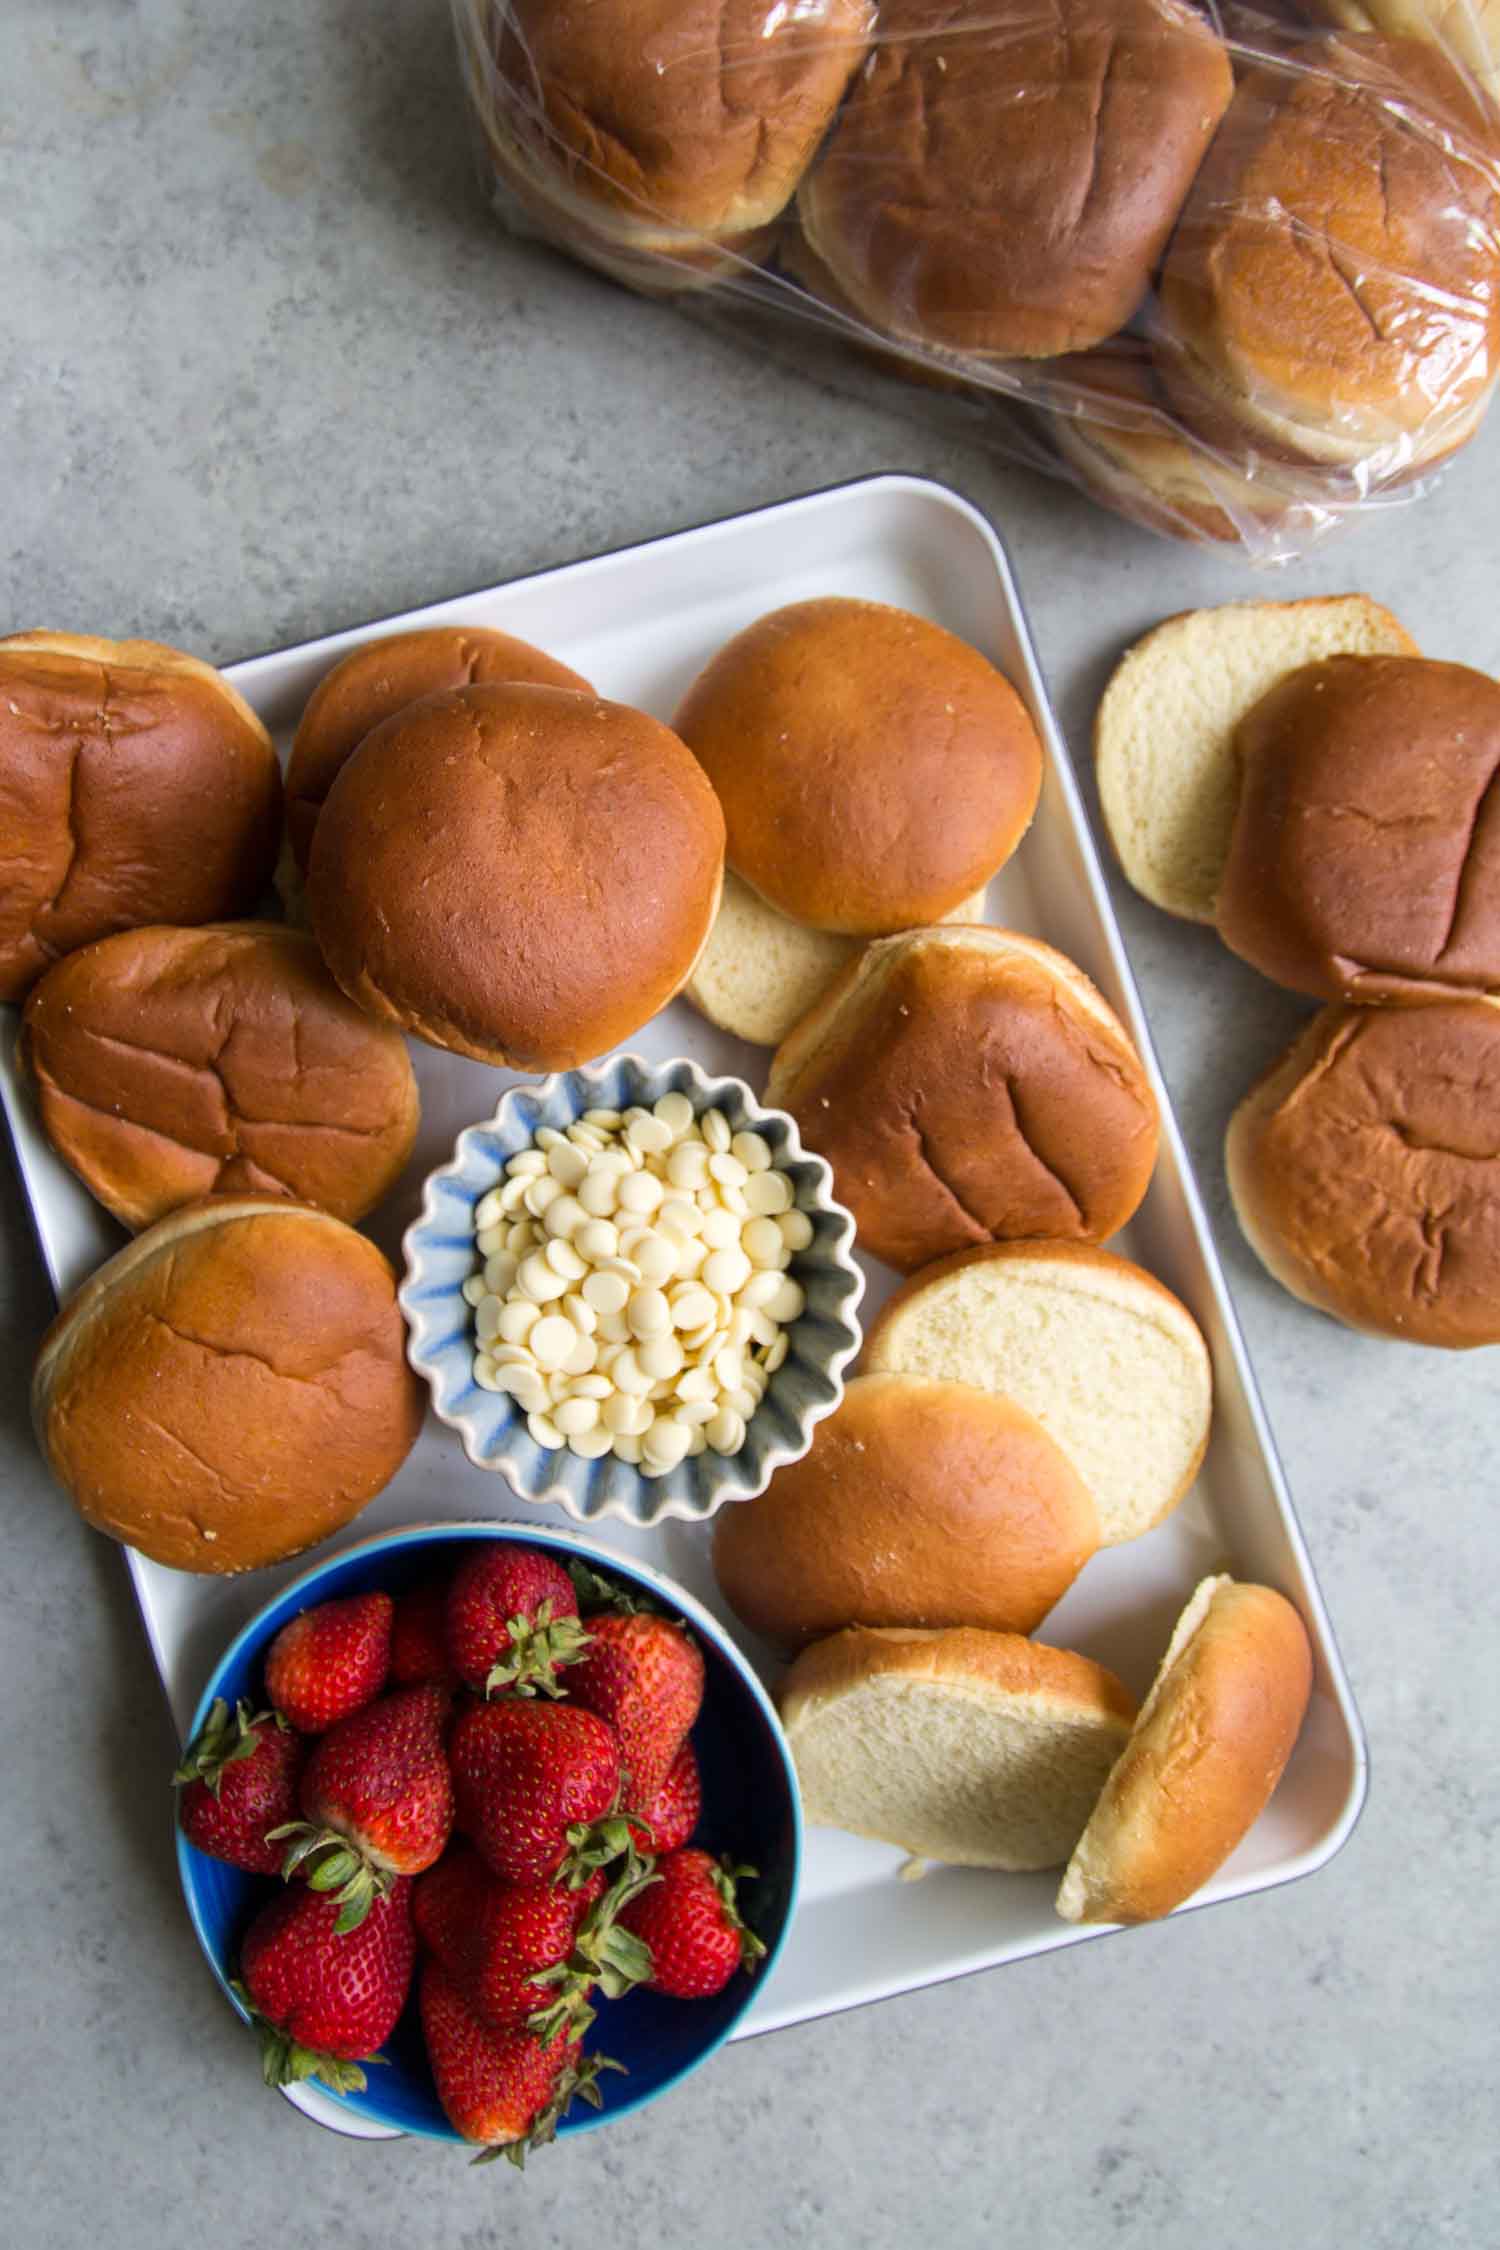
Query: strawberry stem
point(538, 1648)
point(329, 1862)
point(725, 1877)
point(597, 1596)
point(580, 2083)
point(222, 1740)
point(284, 2061)
point(602, 1954)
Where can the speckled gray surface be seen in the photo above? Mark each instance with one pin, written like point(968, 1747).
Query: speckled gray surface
point(269, 369)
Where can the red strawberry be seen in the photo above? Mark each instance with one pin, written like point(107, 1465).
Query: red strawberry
point(324, 1999)
point(533, 1783)
point(419, 1637)
point(376, 1800)
point(502, 2089)
point(239, 1782)
point(644, 1674)
point(330, 1661)
point(691, 1922)
point(512, 1620)
point(673, 1812)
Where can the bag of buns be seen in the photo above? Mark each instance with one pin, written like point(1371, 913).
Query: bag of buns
point(1233, 270)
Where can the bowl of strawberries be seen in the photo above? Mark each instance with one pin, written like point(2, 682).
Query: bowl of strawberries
point(491, 1834)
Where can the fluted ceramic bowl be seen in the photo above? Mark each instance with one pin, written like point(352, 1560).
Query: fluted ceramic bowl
point(441, 1255)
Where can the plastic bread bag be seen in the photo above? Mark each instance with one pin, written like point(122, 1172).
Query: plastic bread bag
point(1235, 271)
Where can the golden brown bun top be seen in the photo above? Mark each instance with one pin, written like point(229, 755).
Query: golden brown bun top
point(970, 1085)
point(699, 112)
point(521, 874)
point(231, 1388)
point(919, 1503)
point(175, 1063)
point(380, 678)
point(136, 786)
point(1008, 188)
point(1338, 262)
point(1366, 1169)
point(874, 770)
point(1208, 1749)
point(1365, 857)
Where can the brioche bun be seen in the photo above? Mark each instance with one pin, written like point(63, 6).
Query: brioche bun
point(977, 1749)
point(520, 874)
point(1365, 1170)
point(874, 770)
point(1005, 188)
point(230, 1388)
point(1467, 31)
point(136, 785)
point(1332, 291)
point(171, 1064)
point(1111, 1364)
point(969, 1086)
point(1164, 732)
point(1203, 1759)
point(381, 677)
point(920, 1503)
point(1364, 863)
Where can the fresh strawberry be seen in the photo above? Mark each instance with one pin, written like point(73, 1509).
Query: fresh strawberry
point(534, 1784)
point(239, 1781)
point(691, 1922)
point(512, 1621)
point(673, 1812)
point(419, 1636)
point(447, 1910)
point(330, 1661)
point(324, 2000)
point(644, 1675)
point(376, 1800)
point(504, 2089)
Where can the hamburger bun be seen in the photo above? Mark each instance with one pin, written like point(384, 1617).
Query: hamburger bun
point(1467, 31)
point(1332, 291)
point(1164, 732)
point(1365, 1170)
point(976, 1749)
point(230, 1388)
point(136, 785)
point(521, 874)
point(1004, 188)
point(1364, 862)
point(760, 971)
point(920, 1503)
point(669, 122)
point(1203, 1759)
point(967, 1087)
point(874, 770)
point(1111, 1364)
point(379, 678)
point(170, 1064)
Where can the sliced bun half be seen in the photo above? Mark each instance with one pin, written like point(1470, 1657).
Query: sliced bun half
point(920, 1503)
point(1208, 1749)
point(1112, 1365)
point(1164, 733)
point(978, 1749)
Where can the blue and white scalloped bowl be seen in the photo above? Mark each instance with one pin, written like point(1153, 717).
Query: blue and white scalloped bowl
point(440, 1256)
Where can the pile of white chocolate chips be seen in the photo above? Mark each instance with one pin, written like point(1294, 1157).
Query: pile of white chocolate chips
point(634, 1294)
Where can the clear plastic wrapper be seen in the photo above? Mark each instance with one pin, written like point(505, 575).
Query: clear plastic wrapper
point(1233, 270)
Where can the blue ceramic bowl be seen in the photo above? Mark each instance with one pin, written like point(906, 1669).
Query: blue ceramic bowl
point(441, 1255)
point(750, 1809)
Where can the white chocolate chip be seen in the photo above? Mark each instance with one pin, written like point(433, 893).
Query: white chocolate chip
point(527, 1164)
point(726, 1432)
point(551, 1340)
point(675, 1111)
point(575, 1415)
point(714, 1126)
point(726, 1270)
point(591, 1445)
point(606, 1292)
point(473, 1289)
point(596, 1239)
point(753, 1151)
point(545, 1431)
point(768, 1193)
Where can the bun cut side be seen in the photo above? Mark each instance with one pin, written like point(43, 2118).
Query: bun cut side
point(1212, 1741)
point(136, 785)
point(976, 1749)
point(970, 1086)
point(920, 1503)
point(230, 1388)
point(1365, 1170)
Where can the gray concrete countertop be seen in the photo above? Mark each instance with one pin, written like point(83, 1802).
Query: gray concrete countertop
point(268, 368)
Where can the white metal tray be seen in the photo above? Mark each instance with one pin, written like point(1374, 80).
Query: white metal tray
point(639, 623)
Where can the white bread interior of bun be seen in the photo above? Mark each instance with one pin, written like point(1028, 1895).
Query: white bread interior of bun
point(827, 1019)
point(760, 971)
point(951, 1765)
point(144, 656)
point(1164, 733)
point(1112, 1365)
